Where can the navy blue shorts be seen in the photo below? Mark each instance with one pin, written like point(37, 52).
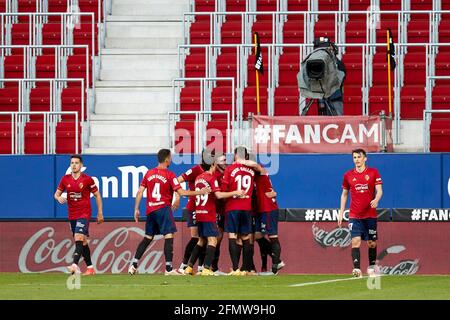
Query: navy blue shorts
point(160, 222)
point(80, 226)
point(207, 229)
point(238, 221)
point(221, 221)
point(191, 221)
point(364, 228)
point(267, 222)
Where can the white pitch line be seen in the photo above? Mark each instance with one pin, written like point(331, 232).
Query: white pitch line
point(324, 281)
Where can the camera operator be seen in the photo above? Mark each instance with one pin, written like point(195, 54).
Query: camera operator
point(336, 100)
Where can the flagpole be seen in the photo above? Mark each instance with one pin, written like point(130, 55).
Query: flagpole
point(389, 74)
point(257, 80)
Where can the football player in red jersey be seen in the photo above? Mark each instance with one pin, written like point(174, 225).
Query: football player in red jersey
point(161, 185)
point(238, 219)
point(365, 188)
point(206, 213)
point(79, 187)
point(189, 176)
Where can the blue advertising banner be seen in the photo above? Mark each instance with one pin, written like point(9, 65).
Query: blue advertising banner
point(446, 180)
point(301, 181)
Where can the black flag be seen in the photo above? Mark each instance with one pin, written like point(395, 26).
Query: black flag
point(391, 50)
point(259, 58)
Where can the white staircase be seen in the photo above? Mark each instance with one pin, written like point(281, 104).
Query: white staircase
point(138, 64)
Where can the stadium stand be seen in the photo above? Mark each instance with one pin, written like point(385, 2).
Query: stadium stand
point(128, 53)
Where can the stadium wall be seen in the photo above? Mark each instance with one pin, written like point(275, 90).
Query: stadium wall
point(302, 181)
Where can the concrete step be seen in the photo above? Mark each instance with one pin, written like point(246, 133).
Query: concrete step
point(142, 2)
point(158, 110)
point(143, 43)
point(126, 51)
point(145, 115)
point(130, 84)
point(154, 142)
point(127, 128)
point(150, 18)
point(138, 74)
point(139, 62)
point(124, 150)
point(133, 95)
point(144, 29)
point(149, 8)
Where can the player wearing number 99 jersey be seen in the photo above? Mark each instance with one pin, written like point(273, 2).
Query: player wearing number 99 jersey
point(160, 184)
point(238, 209)
point(206, 214)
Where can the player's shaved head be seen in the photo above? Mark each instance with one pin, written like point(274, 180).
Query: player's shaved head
point(241, 153)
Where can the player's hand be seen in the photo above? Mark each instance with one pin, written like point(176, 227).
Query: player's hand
point(205, 191)
point(176, 205)
point(374, 203)
point(62, 200)
point(240, 193)
point(100, 218)
point(136, 215)
point(271, 194)
point(340, 218)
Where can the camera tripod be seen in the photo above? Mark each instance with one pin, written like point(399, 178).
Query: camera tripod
point(327, 110)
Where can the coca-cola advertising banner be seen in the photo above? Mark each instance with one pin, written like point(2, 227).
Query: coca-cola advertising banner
point(320, 134)
point(307, 247)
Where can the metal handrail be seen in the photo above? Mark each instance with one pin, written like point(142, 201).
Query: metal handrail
point(55, 93)
point(201, 120)
point(59, 54)
point(427, 116)
point(429, 89)
point(19, 120)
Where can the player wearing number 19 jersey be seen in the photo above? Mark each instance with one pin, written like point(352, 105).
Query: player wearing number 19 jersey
point(238, 209)
point(365, 189)
point(161, 185)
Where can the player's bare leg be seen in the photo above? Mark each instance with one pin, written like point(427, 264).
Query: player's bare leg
point(194, 256)
point(79, 240)
point(356, 257)
point(189, 247)
point(210, 251)
point(139, 252)
point(373, 268)
point(87, 258)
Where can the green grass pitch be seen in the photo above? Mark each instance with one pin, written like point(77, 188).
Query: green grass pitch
point(123, 286)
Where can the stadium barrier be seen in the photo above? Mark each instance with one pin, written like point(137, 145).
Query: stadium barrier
point(301, 181)
point(307, 247)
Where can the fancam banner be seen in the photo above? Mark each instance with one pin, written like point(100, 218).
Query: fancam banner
point(307, 247)
point(321, 134)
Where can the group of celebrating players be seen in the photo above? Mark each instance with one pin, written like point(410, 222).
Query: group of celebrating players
point(237, 199)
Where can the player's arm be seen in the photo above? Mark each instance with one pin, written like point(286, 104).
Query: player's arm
point(252, 164)
point(137, 201)
point(58, 197)
point(225, 195)
point(344, 197)
point(176, 201)
point(189, 193)
point(378, 195)
point(98, 200)
point(180, 179)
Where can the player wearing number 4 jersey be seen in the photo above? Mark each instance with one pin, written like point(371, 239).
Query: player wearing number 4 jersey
point(161, 185)
point(206, 214)
point(365, 189)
